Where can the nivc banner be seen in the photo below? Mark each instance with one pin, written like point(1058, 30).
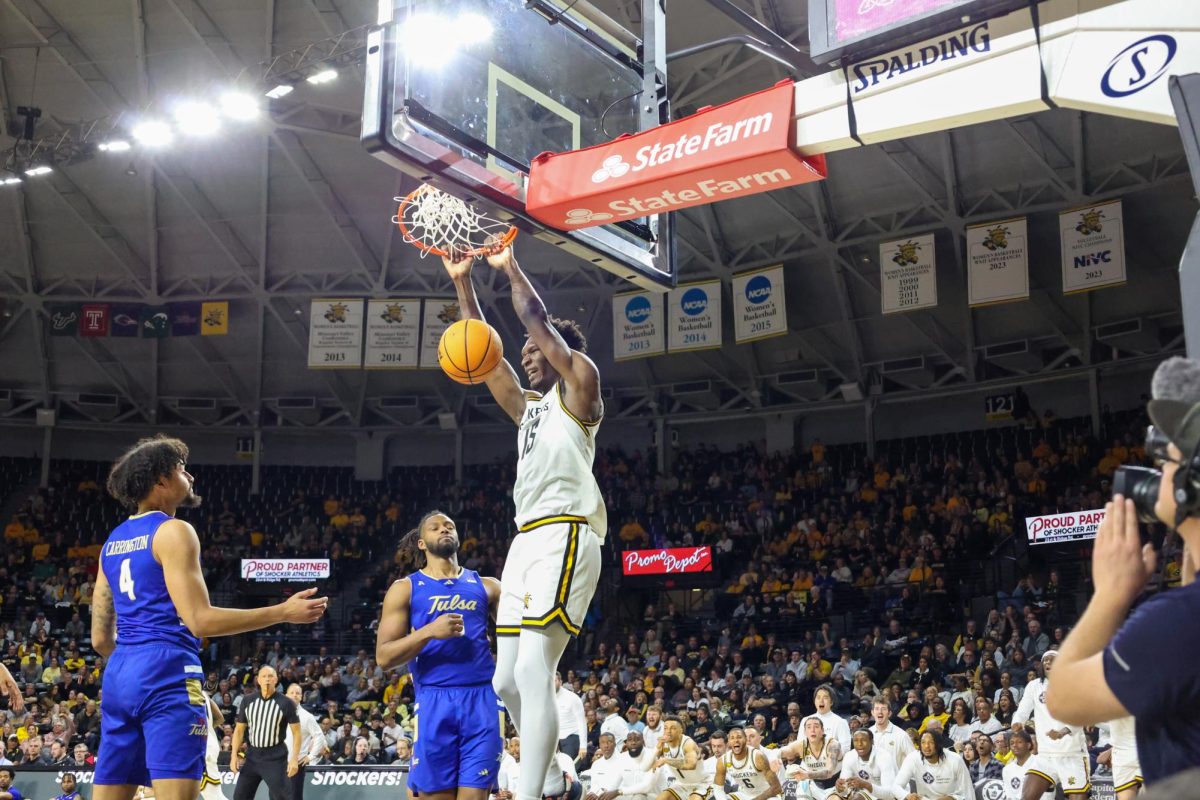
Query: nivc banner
point(438, 315)
point(667, 561)
point(637, 325)
point(393, 334)
point(284, 569)
point(694, 317)
point(1068, 527)
point(759, 305)
point(907, 274)
point(335, 332)
point(1093, 247)
point(998, 262)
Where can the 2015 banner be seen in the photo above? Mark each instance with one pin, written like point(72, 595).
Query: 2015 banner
point(438, 315)
point(998, 262)
point(759, 305)
point(393, 334)
point(908, 274)
point(694, 317)
point(1068, 527)
point(335, 333)
point(1093, 247)
point(637, 325)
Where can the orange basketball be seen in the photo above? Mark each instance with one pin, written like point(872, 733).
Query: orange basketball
point(469, 350)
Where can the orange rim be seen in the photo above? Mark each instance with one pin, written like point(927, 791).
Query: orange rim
point(506, 239)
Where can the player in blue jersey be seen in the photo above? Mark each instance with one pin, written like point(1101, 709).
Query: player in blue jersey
point(436, 619)
point(149, 609)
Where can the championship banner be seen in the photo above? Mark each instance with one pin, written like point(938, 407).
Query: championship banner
point(93, 319)
point(907, 274)
point(214, 318)
point(637, 325)
point(667, 561)
point(438, 315)
point(759, 305)
point(335, 332)
point(393, 334)
point(1093, 247)
point(1069, 527)
point(998, 262)
point(273, 570)
point(694, 317)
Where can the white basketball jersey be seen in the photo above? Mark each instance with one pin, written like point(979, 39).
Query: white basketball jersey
point(879, 769)
point(1123, 733)
point(744, 776)
point(1033, 704)
point(555, 451)
point(1014, 780)
point(210, 785)
point(689, 777)
point(819, 762)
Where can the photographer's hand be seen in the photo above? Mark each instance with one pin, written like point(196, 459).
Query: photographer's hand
point(1121, 564)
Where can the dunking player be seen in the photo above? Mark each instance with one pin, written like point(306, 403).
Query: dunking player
point(148, 630)
point(554, 561)
point(437, 618)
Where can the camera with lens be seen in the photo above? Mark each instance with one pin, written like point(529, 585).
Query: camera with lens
point(1142, 484)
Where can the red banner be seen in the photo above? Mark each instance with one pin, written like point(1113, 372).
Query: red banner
point(732, 150)
point(93, 319)
point(667, 561)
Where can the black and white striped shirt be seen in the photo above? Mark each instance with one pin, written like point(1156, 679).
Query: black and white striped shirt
point(267, 719)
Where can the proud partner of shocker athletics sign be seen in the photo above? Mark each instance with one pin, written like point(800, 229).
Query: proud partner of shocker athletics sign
point(667, 561)
point(1067, 527)
point(284, 569)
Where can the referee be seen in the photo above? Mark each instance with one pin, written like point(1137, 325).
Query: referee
point(266, 715)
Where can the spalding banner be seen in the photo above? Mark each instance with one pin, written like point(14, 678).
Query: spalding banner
point(284, 569)
point(667, 561)
point(1067, 527)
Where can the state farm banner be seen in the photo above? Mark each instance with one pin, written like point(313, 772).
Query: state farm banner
point(694, 317)
point(438, 315)
point(667, 561)
point(727, 151)
point(637, 325)
point(284, 569)
point(393, 334)
point(907, 274)
point(759, 305)
point(1093, 247)
point(1068, 527)
point(335, 333)
point(998, 262)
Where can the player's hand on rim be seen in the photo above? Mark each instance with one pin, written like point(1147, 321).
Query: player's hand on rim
point(458, 264)
point(498, 256)
point(302, 608)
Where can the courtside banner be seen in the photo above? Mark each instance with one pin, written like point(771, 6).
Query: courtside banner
point(694, 317)
point(335, 333)
point(393, 334)
point(1067, 527)
point(907, 274)
point(667, 561)
point(1093, 247)
point(320, 783)
point(637, 325)
point(759, 305)
point(732, 150)
point(438, 315)
point(284, 569)
point(998, 262)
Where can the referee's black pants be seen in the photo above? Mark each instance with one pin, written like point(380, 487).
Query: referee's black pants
point(264, 764)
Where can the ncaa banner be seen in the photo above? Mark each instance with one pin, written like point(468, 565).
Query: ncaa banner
point(393, 334)
point(694, 317)
point(908, 274)
point(1069, 527)
point(998, 262)
point(271, 570)
point(439, 314)
point(335, 333)
point(759, 305)
point(1093, 247)
point(637, 325)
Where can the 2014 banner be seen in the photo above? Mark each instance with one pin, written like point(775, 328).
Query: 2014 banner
point(759, 305)
point(439, 314)
point(393, 334)
point(998, 262)
point(694, 317)
point(1068, 527)
point(908, 274)
point(1093, 247)
point(335, 333)
point(637, 325)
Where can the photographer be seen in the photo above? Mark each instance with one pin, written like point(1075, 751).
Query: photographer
point(1148, 665)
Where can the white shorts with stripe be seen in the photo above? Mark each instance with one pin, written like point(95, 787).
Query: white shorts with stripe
point(1071, 772)
point(549, 576)
point(1126, 776)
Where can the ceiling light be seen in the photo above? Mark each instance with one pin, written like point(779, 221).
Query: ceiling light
point(239, 106)
point(40, 169)
point(115, 146)
point(197, 119)
point(324, 76)
point(153, 133)
point(473, 28)
point(11, 181)
point(282, 90)
point(428, 40)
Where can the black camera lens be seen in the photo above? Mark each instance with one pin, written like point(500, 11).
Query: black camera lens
point(1139, 484)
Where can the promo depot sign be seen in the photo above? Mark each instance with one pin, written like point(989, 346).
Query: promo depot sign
point(732, 150)
point(284, 569)
point(1068, 527)
point(667, 561)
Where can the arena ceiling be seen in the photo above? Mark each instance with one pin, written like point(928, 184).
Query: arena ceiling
point(291, 207)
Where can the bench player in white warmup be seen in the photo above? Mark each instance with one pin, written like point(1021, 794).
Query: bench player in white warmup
point(747, 771)
point(553, 564)
point(1062, 758)
point(868, 772)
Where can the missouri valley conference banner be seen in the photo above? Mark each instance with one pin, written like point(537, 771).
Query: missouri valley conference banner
point(759, 305)
point(998, 262)
point(637, 325)
point(439, 314)
point(393, 334)
point(1093, 247)
point(694, 317)
point(908, 274)
point(335, 333)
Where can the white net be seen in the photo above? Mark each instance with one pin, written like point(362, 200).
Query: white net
point(440, 223)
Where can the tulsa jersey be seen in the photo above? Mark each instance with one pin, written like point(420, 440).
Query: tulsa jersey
point(1033, 703)
point(145, 612)
point(463, 660)
point(555, 451)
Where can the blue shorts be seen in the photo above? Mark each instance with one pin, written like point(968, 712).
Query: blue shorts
point(153, 724)
point(458, 738)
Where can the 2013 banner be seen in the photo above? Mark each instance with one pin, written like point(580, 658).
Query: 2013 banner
point(637, 325)
point(908, 274)
point(335, 333)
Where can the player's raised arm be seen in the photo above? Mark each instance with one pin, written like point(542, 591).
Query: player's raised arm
point(177, 548)
point(503, 382)
point(396, 643)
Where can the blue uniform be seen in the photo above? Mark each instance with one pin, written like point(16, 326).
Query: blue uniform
point(459, 740)
point(154, 721)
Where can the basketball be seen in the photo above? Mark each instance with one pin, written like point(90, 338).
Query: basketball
point(469, 350)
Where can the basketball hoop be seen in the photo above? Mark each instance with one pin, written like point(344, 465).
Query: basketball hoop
point(443, 225)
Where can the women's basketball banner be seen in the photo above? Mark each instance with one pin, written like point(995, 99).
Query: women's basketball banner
point(908, 274)
point(759, 305)
point(998, 262)
point(1069, 527)
point(637, 325)
point(438, 315)
point(694, 317)
point(393, 334)
point(335, 333)
point(1093, 247)
point(667, 561)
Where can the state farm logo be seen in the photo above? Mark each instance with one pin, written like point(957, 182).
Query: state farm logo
point(612, 167)
point(585, 216)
